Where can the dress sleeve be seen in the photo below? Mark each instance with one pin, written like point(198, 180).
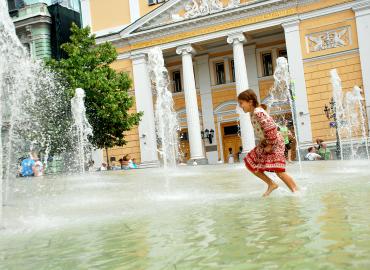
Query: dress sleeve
point(268, 126)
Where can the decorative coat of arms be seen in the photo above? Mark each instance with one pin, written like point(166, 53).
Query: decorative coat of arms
point(329, 39)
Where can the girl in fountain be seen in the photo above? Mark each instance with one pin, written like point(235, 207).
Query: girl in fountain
point(268, 155)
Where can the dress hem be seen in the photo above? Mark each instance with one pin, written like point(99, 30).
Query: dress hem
point(274, 170)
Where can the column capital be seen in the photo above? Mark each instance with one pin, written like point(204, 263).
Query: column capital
point(138, 57)
point(291, 26)
point(361, 8)
point(235, 38)
point(185, 49)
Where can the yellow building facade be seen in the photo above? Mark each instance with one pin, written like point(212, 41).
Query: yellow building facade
point(215, 49)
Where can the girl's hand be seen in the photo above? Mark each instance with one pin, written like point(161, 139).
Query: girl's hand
point(268, 149)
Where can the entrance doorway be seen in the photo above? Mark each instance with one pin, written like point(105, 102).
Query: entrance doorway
point(231, 140)
point(184, 145)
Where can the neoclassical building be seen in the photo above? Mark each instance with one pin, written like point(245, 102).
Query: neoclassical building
point(214, 49)
point(43, 25)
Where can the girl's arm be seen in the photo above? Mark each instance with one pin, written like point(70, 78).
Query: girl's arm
point(268, 127)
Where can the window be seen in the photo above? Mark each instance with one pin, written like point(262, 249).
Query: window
point(231, 130)
point(11, 5)
point(267, 64)
point(154, 2)
point(176, 79)
point(15, 4)
point(220, 73)
point(283, 53)
point(232, 71)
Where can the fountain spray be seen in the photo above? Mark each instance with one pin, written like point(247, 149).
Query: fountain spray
point(167, 126)
point(81, 128)
point(356, 115)
point(362, 111)
point(339, 108)
point(283, 91)
point(34, 107)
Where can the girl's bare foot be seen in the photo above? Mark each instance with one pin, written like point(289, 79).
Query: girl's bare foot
point(270, 189)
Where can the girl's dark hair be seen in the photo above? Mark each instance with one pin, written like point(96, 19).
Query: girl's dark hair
point(249, 95)
point(263, 106)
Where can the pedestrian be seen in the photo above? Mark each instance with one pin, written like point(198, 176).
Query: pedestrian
point(39, 167)
point(268, 155)
point(284, 131)
point(104, 167)
point(319, 143)
point(324, 152)
point(28, 167)
point(230, 157)
point(125, 162)
point(132, 164)
point(240, 154)
point(312, 155)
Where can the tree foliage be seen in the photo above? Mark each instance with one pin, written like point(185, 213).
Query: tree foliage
point(108, 101)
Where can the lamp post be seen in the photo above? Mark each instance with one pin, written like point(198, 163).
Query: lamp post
point(208, 134)
point(331, 114)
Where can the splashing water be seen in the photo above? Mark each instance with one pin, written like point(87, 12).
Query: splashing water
point(350, 118)
point(167, 126)
point(35, 110)
point(81, 129)
point(339, 108)
point(283, 92)
point(362, 116)
point(356, 121)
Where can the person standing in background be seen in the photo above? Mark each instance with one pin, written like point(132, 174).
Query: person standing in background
point(324, 152)
point(230, 157)
point(284, 131)
point(240, 154)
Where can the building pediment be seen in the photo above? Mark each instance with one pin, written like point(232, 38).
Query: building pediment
point(184, 14)
point(190, 9)
point(196, 20)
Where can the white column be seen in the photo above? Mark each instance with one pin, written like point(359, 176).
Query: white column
point(97, 157)
point(295, 60)
point(144, 103)
point(85, 13)
point(207, 106)
point(242, 84)
point(134, 10)
point(192, 114)
point(251, 59)
point(362, 13)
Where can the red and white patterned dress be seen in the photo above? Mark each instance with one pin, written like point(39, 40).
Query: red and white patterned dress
point(265, 129)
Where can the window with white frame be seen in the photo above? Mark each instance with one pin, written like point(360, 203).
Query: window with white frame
point(176, 80)
point(220, 73)
point(267, 68)
point(154, 2)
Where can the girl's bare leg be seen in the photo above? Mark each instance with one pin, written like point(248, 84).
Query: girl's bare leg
point(290, 156)
point(271, 184)
point(288, 180)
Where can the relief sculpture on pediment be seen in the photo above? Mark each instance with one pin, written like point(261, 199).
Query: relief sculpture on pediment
point(196, 8)
point(330, 39)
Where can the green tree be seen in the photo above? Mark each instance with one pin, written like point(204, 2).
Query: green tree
point(108, 101)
